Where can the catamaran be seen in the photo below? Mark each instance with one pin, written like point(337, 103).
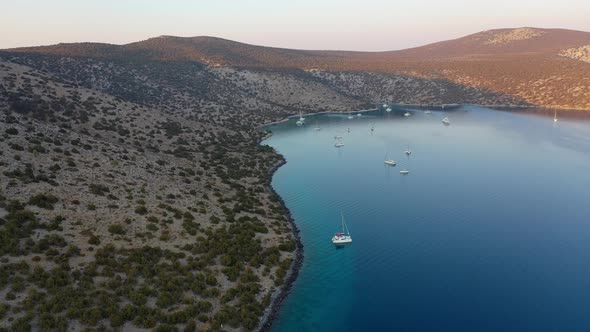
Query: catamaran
point(342, 238)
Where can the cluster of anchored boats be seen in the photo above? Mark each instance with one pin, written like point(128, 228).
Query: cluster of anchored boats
point(343, 237)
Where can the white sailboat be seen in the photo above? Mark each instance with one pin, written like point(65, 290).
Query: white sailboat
point(342, 238)
point(407, 114)
point(317, 127)
point(301, 120)
point(427, 112)
point(388, 109)
point(359, 114)
point(446, 121)
point(555, 117)
point(389, 162)
point(404, 172)
point(350, 117)
point(408, 151)
point(339, 142)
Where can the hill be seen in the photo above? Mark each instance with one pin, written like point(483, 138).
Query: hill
point(529, 66)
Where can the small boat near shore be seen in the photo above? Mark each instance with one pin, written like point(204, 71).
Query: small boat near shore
point(301, 120)
point(446, 121)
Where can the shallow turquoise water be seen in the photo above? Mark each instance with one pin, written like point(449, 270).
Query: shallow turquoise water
point(490, 231)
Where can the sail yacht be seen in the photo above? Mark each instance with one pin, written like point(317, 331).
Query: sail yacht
point(555, 117)
point(342, 238)
point(408, 151)
point(301, 120)
point(389, 162)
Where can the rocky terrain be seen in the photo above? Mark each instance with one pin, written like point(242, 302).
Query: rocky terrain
point(134, 194)
point(581, 53)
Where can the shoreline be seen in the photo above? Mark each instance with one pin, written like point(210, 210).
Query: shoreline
point(279, 296)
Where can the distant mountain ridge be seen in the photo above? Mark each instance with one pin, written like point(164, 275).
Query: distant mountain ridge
point(527, 63)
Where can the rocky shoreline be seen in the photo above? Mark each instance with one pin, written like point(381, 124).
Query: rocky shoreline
point(272, 312)
point(279, 296)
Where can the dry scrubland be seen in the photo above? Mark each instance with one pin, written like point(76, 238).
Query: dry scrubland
point(133, 191)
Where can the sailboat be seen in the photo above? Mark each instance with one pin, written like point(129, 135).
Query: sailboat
point(342, 238)
point(427, 112)
point(301, 120)
point(389, 162)
point(404, 172)
point(350, 117)
point(339, 142)
point(408, 151)
point(407, 114)
point(446, 121)
point(388, 109)
point(555, 117)
point(317, 127)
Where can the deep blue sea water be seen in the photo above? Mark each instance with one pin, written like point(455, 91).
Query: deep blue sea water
point(489, 232)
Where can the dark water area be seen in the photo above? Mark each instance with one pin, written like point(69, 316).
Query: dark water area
point(490, 230)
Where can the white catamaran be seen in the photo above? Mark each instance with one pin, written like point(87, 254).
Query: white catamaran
point(342, 238)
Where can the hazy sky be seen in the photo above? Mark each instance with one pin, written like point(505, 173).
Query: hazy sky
point(309, 24)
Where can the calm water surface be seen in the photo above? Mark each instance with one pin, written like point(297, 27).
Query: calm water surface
point(489, 232)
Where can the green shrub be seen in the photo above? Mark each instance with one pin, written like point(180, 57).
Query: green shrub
point(43, 200)
point(116, 229)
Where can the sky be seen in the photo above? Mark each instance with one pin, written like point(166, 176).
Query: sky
point(362, 25)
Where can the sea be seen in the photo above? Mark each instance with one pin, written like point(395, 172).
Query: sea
point(489, 231)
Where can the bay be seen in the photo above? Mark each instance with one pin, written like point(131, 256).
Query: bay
point(490, 230)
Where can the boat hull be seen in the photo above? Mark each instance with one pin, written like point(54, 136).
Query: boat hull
point(342, 240)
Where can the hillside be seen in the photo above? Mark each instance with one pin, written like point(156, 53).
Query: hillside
point(529, 66)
